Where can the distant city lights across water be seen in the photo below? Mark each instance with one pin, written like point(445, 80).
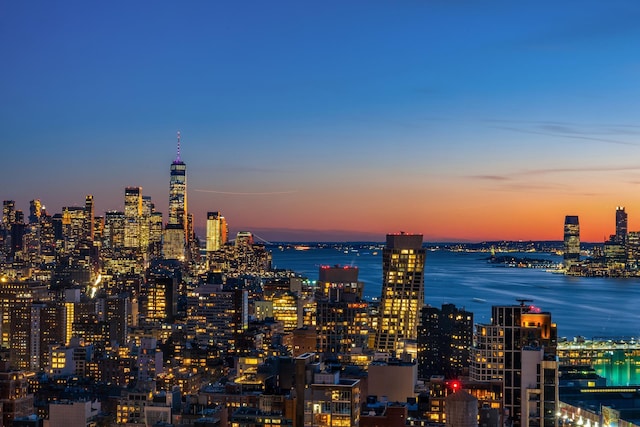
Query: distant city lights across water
point(580, 306)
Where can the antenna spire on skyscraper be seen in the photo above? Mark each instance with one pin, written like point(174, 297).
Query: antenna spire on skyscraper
point(178, 155)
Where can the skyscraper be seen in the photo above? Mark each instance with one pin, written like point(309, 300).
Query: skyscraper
point(88, 217)
point(132, 202)
point(178, 191)
point(341, 315)
point(8, 213)
point(35, 210)
point(217, 231)
point(444, 341)
point(518, 348)
point(114, 226)
point(621, 225)
point(402, 290)
point(571, 240)
point(132, 215)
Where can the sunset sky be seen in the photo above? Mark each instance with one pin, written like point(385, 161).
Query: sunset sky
point(461, 120)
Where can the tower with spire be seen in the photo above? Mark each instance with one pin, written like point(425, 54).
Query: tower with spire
point(175, 240)
point(178, 191)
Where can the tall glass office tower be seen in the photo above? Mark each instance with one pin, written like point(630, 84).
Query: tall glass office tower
point(621, 225)
point(178, 191)
point(571, 240)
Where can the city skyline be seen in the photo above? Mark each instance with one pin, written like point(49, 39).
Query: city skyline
point(315, 122)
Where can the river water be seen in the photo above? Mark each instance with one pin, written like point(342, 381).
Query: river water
point(581, 306)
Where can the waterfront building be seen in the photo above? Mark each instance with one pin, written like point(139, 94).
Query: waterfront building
point(571, 241)
point(633, 250)
point(403, 260)
point(621, 225)
point(217, 231)
point(444, 339)
point(520, 341)
point(615, 256)
point(618, 361)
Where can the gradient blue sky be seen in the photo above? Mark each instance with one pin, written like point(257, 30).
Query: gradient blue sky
point(457, 119)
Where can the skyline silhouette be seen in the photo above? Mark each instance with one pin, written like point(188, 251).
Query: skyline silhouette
point(460, 121)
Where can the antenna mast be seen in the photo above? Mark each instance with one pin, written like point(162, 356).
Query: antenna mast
point(178, 156)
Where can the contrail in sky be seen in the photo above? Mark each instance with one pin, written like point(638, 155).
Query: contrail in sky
point(235, 193)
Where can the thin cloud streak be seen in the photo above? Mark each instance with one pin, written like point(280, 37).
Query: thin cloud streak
point(511, 183)
point(512, 175)
point(575, 170)
point(561, 135)
point(237, 193)
point(490, 177)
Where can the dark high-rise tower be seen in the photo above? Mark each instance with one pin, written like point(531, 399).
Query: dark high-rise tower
point(89, 224)
point(178, 191)
point(621, 225)
point(444, 339)
point(35, 210)
point(571, 240)
point(402, 290)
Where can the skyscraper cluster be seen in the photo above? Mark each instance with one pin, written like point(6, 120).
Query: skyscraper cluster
point(618, 256)
point(158, 328)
